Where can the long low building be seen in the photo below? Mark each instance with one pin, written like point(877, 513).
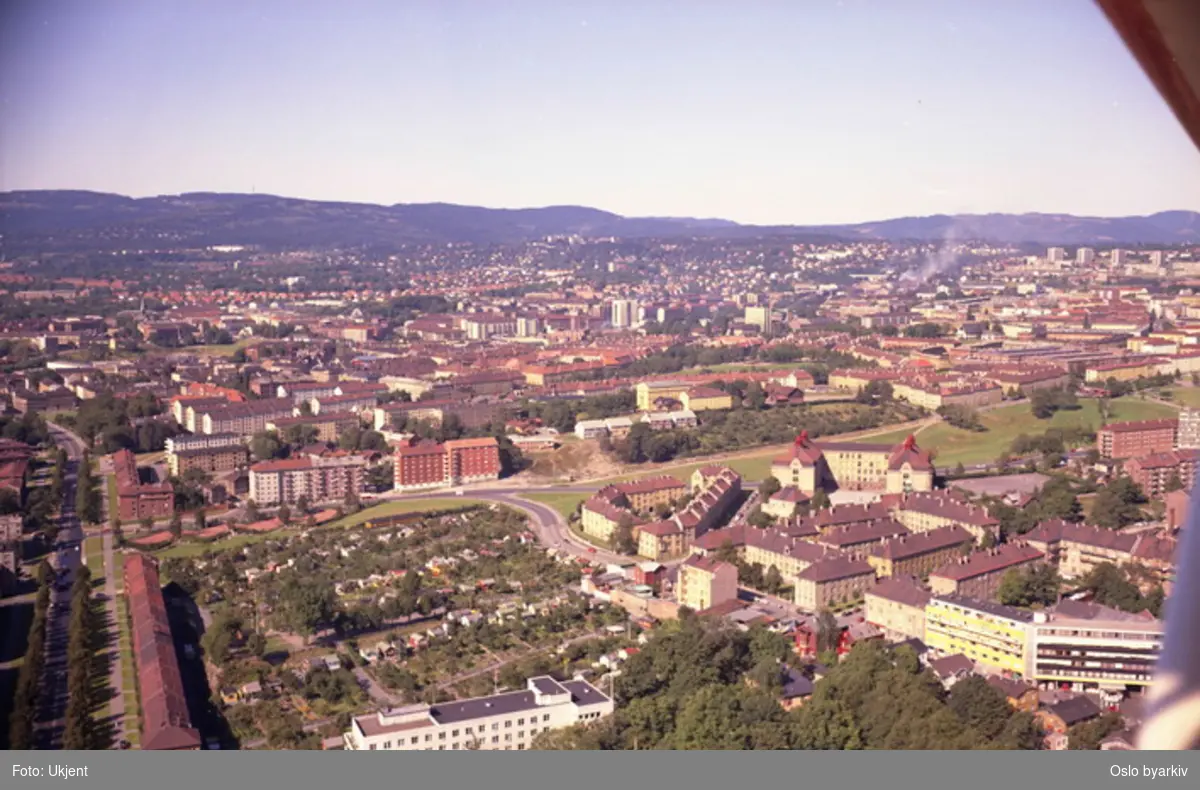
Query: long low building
point(1092, 647)
point(508, 721)
point(315, 479)
point(166, 723)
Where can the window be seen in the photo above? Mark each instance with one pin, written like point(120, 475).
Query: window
point(428, 737)
point(508, 724)
point(414, 740)
point(372, 747)
point(546, 717)
point(508, 736)
point(495, 739)
point(454, 746)
point(455, 733)
point(441, 736)
point(441, 748)
point(387, 744)
point(495, 726)
point(520, 722)
point(520, 734)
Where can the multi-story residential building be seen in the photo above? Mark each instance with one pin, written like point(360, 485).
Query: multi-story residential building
point(922, 512)
point(1131, 439)
point(831, 582)
point(138, 500)
point(856, 466)
point(1085, 256)
point(985, 632)
point(203, 441)
point(428, 464)
point(649, 492)
point(860, 538)
point(1156, 472)
point(600, 517)
point(716, 490)
point(1188, 435)
point(1077, 548)
point(978, 574)
point(649, 393)
point(1092, 647)
point(300, 392)
point(244, 419)
point(508, 721)
point(315, 479)
point(1056, 255)
point(208, 459)
point(919, 554)
point(184, 407)
point(896, 605)
point(705, 582)
point(328, 425)
point(481, 326)
point(697, 399)
point(624, 313)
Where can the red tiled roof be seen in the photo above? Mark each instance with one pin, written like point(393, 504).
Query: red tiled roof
point(980, 563)
point(166, 723)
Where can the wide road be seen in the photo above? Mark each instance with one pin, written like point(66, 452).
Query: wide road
point(66, 559)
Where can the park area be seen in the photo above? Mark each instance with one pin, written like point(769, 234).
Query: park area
point(307, 626)
point(1004, 424)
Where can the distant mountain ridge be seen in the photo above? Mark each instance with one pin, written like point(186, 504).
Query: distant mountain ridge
point(50, 219)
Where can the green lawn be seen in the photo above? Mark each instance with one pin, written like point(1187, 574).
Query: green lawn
point(565, 503)
point(113, 499)
point(93, 552)
point(754, 466)
point(956, 446)
point(197, 548)
point(431, 505)
point(1185, 396)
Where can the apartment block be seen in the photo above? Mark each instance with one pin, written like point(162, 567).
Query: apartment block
point(428, 464)
point(919, 554)
point(832, 581)
point(1157, 471)
point(978, 574)
point(315, 479)
point(705, 582)
point(985, 632)
point(1141, 437)
point(508, 721)
point(1092, 647)
point(896, 605)
point(137, 500)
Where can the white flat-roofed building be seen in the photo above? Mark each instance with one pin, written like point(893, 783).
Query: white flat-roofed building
point(508, 721)
point(1092, 647)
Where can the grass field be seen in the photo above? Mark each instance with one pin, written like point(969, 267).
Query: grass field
point(564, 503)
point(93, 552)
point(956, 446)
point(1185, 396)
point(432, 505)
point(197, 548)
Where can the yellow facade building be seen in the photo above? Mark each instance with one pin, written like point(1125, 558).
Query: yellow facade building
point(987, 633)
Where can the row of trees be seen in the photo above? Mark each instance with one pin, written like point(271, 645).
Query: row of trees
point(1044, 402)
point(83, 642)
point(88, 501)
point(27, 694)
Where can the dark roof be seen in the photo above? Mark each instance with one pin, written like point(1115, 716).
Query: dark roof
point(834, 568)
point(900, 589)
point(952, 665)
point(795, 684)
point(988, 561)
point(1009, 687)
point(934, 540)
point(1075, 710)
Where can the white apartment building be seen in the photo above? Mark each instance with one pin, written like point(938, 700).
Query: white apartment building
point(1056, 255)
point(624, 313)
point(316, 479)
point(203, 441)
point(1084, 256)
point(508, 721)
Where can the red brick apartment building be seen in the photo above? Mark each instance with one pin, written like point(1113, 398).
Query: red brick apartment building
point(138, 500)
point(429, 464)
point(1131, 439)
point(1153, 472)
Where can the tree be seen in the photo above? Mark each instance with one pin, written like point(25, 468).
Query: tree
point(623, 540)
point(829, 633)
point(820, 500)
point(251, 511)
point(1175, 483)
point(772, 580)
point(981, 706)
point(265, 446)
point(284, 514)
point(175, 525)
point(768, 488)
point(959, 469)
point(200, 520)
point(1039, 585)
point(1117, 504)
point(302, 504)
point(306, 605)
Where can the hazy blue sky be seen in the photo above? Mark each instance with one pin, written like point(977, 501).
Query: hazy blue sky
point(797, 111)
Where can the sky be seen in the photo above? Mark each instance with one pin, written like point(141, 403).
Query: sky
point(788, 112)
